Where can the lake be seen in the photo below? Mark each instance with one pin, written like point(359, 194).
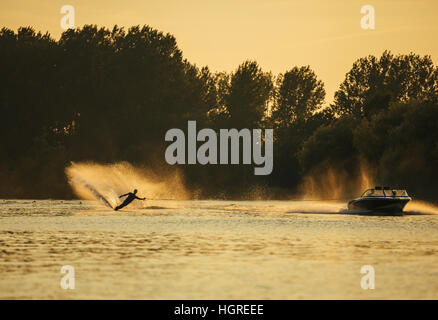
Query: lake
point(214, 250)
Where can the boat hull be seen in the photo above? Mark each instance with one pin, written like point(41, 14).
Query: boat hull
point(381, 205)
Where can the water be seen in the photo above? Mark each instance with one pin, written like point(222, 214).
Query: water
point(213, 250)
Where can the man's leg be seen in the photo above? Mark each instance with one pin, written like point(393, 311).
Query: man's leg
point(124, 204)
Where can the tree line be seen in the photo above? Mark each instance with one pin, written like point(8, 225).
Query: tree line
point(109, 95)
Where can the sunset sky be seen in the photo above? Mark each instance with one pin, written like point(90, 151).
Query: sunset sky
point(278, 34)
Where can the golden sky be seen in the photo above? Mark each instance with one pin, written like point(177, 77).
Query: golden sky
point(278, 34)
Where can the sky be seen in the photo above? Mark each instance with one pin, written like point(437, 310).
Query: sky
point(278, 34)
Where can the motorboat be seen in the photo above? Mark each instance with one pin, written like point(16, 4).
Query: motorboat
point(381, 200)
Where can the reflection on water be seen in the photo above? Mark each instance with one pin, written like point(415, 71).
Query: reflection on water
point(214, 250)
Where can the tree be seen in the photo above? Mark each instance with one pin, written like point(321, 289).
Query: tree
point(250, 91)
point(96, 94)
point(372, 83)
point(332, 143)
point(299, 95)
point(401, 144)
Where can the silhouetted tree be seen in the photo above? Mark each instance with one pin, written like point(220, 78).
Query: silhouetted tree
point(110, 95)
point(401, 143)
point(299, 95)
point(250, 91)
point(373, 83)
point(333, 143)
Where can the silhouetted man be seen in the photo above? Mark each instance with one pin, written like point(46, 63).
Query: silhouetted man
point(131, 197)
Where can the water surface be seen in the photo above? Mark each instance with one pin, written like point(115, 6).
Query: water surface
point(213, 250)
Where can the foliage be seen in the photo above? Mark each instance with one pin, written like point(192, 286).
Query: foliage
point(110, 95)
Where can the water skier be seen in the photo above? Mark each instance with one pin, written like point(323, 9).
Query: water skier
point(131, 197)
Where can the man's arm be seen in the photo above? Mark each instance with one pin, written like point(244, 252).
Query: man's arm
point(123, 195)
point(140, 198)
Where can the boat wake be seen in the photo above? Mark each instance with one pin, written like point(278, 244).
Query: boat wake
point(418, 207)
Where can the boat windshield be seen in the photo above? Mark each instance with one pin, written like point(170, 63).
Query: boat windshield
point(385, 193)
point(373, 193)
